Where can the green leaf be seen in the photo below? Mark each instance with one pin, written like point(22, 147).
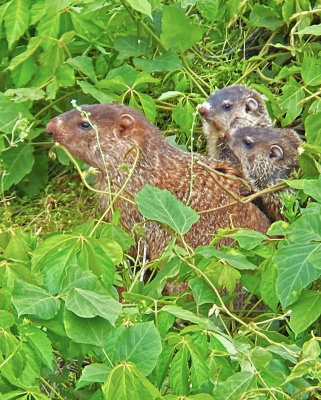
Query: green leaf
point(34, 301)
point(313, 128)
point(130, 46)
point(305, 229)
point(88, 304)
point(16, 20)
point(39, 341)
point(93, 331)
point(142, 6)
point(168, 61)
point(222, 275)
point(178, 32)
point(293, 93)
point(83, 64)
point(93, 373)
point(268, 286)
point(263, 16)
point(6, 319)
point(208, 8)
point(183, 115)
point(311, 70)
point(247, 238)
point(310, 30)
point(137, 344)
point(37, 179)
point(231, 256)
point(201, 290)
point(118, 235)
point(162, 206)
point(65, 75)
point(199, 369)
point(126, 382)
point(300, 318)
point(148, 105)
point(312, 187)
point(33, 45)
point(97, 94)
point(296, 270)
point(24, 72)
point(17, 163)
point(234, 386)
point(179, 371)
point(25, 94)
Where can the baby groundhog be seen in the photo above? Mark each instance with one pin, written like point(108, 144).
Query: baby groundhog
point(232, 107)
point(266, 155)
point(123, 133)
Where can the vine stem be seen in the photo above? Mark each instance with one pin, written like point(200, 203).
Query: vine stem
point(51, 388)
point(252, 326)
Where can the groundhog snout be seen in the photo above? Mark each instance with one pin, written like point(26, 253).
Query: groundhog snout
point(204, 108)
point(53, 125)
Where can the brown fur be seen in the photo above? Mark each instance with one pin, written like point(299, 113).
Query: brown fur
point(246, 108)
point(161, 165)
point(267, 155)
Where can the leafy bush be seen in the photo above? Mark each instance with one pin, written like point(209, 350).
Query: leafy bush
point(64, 332)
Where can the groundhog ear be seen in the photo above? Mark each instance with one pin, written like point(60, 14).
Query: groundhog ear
point(276, 153)
point(126, 121)
point(251, 104)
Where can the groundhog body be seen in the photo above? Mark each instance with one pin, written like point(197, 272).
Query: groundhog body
point(266, 155)
point(232, 107)
point(122, 129)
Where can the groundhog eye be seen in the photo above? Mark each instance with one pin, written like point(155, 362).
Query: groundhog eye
point(84, 125)
point(226, 107)
point(247, 143)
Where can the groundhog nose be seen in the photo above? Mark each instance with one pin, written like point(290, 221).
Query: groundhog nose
point(53, 125)
point(203, 109)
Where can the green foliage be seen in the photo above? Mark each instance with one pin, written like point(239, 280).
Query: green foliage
point(66, 332)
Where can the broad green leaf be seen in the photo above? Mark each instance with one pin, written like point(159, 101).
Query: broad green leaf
point(301, 319)
point(53, 7)
point(261, 357)
point(208, 8)
point(178, 32)
point(88, 304)
point(65, 75)
point(199, 369)
point(247, 238)
point(234, 386)
point(296, 270)
point(37, 179)
point(17, 248)
point(93, 373)
point(148, 105)
point(49, 27)
point(268, 286)
point(179, 371)
point(16, 20)
point(7, 319)
point(183, 115)
point(186, 315)
point(162, 206)
point(126, 382)
point(288, 8)
point(305, 229)
point(312, 187)
point(33, 45)
point(169, 95)
point(25, 94)
point(39, 342)
point(53, 256)
point(231, 256)
point(167, 62)
point(313, 128)
point(201, 290)
point(93, 331)
point(97, 94)
point(311, 70)
point(131, 46)
point(17, 162)
point(222, 275)
point(118, 235)
point(24, 72)
point(83, 64)
point(142, 6)
point(34, 301)
point(310, 30)
point(78, 278)
point(293, 93)
point(263, 16)
point(137, 344)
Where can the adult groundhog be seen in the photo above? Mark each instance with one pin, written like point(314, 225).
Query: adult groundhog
point(122, 132)
point(232, 107)
point(266, 155)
